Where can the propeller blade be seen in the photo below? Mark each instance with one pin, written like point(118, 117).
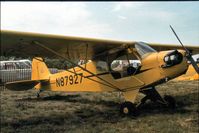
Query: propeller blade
point(188, 54)
point(194, 64)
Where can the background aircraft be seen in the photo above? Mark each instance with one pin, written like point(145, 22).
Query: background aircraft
point(15, 70)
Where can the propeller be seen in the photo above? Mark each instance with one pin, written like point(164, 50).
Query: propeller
point(188, 53)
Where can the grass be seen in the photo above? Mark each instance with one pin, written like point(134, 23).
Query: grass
point(98, 112)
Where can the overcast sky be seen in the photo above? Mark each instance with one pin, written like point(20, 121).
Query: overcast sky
point(134, 21)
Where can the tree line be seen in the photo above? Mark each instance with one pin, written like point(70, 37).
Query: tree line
point(51, 63)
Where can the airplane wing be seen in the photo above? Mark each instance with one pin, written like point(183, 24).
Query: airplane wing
point(25, 44)
point(161, 47)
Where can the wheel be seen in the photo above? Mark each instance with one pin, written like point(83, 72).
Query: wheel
point(171, 103)
point(128, 108)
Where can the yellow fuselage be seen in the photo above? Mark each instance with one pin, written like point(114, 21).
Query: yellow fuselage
point(151, 72)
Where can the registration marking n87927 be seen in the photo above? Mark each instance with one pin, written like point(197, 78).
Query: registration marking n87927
point(69, 80)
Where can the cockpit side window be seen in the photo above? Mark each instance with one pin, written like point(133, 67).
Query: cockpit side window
point(102, 66)
point(123, 64)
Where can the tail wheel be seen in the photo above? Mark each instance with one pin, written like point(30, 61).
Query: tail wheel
point(38, 95)
point(170, 101)
point(128, 108)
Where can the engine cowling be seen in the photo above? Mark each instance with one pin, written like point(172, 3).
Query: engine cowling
point(173, 58)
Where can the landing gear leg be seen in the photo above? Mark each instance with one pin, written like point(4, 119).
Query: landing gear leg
point(120, 97)
point(171, 103)
point(128, 107)
point(154, 96)
point(143, 101)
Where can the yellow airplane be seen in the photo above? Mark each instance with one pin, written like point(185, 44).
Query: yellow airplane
point(97, 74)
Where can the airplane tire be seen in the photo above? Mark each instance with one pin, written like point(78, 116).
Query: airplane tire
point(128, 108)
point(170, 101)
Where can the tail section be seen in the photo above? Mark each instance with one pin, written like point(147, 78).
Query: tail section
point(40, 75)
point(39, 69)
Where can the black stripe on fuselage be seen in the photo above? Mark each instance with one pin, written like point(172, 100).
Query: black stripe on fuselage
point(96, 75)
point(141, 71)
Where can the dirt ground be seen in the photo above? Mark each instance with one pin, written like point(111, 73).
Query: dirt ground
point(98, 112)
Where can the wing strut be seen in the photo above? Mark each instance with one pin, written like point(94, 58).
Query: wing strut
point(54, 52)
point(86, 55)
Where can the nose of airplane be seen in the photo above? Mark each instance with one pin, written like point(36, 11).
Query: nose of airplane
point(173, 63)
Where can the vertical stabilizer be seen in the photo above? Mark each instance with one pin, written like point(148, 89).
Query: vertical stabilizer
point(39, 69)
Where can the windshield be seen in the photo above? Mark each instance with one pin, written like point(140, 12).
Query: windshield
point(143, 49)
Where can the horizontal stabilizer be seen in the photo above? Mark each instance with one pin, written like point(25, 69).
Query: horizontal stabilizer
point(22, 85)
